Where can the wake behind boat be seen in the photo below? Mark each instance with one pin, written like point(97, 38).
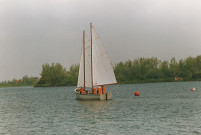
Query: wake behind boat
point(95, 71)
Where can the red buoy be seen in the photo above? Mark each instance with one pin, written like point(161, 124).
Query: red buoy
point(137, 93)
point(192, 89)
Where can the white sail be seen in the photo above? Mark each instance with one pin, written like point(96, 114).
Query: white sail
point(103, 73)
point(80, 82)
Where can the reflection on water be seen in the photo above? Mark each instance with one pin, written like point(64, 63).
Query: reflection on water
point(162, 108)
point(96, 107)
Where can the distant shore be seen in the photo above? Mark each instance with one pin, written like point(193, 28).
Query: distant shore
point(24, 81)
point(140, 70)
point(16, 86)
point(40, 86)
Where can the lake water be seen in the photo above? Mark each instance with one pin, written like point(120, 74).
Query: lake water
point(161, 108)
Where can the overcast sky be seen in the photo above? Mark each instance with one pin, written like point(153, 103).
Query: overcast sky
point(34, 32)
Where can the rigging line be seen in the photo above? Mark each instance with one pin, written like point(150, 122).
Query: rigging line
point(91, 27)
point(95, 38)
point(103, 53)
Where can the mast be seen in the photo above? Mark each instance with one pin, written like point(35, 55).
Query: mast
point(91, 57)
point(84, 55)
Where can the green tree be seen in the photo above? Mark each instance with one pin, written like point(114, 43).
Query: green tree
point(52, 75)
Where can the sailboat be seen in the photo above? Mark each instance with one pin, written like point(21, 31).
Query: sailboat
point(95, 71)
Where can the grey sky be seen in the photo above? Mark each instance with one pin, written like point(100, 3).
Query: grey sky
point(34, 32)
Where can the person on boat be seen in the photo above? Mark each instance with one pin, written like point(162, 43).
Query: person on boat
point(82, 91)
point(103, 89)
point(99, 90)
point(93, 91)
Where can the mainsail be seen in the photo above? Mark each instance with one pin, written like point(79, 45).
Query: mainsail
point(80, 82)
point(103, 73)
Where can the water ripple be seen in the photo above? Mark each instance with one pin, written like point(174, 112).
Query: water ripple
point(162, 108)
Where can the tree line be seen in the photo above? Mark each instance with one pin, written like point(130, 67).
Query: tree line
point(24, 81)
point(140, 70)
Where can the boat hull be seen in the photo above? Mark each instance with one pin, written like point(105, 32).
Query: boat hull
point(106, 96)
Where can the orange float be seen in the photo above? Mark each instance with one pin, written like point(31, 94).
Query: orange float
point(137, 93)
